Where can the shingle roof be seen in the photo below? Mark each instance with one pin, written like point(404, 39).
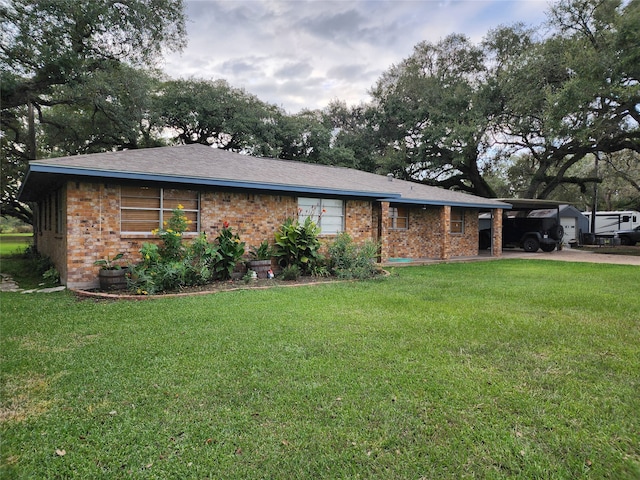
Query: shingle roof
point(205, 166)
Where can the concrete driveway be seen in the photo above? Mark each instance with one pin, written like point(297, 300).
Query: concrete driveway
point(574, 255)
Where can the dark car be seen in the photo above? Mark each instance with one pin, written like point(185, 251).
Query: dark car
point(629, 237)
point(530, 230)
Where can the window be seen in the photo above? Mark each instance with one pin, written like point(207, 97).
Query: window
point(399, 218)
point(47, 213)
point(60, 214)
point(40, 216)
point(457, 220)
point(143, 209)
point(327, 213)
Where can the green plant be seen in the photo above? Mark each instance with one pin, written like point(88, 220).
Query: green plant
point(199, 260)
point(261, 252)
point(108, 263)
point(290, 272)
point(173, 265)
point(348, 260)
point(297, 244)
point(172, 247)
point(250, 276)
point(51, 276)
point(230, 249)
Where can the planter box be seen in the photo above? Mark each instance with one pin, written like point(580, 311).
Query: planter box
point(113, 279)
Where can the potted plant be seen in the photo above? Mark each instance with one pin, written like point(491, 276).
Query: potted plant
point(112, 276)
point(261, 259)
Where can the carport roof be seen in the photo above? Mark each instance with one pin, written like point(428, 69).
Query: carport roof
point(202, 166)
point(532, 203)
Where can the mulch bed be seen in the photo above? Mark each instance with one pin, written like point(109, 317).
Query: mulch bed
point(215, 287)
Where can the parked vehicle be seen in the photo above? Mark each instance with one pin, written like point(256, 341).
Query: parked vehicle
point(629, 237)
point(608, 222)
point(530, 230)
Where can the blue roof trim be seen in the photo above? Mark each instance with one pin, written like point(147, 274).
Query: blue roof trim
point(413, 201)
point(35, 168)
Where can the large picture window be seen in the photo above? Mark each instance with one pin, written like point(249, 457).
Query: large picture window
point(457, 220)
point(399, 217)
point(327, 213)
point(143, 209)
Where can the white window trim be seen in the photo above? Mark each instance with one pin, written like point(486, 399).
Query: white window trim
point(461, 221)
point(162, 210)
point(317, 217)
point(394, 218)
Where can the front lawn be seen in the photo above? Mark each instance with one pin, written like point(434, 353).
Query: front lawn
point(500, 369)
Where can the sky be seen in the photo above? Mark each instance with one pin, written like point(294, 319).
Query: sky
point(304, 54)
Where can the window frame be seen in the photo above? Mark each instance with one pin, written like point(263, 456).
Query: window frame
point(60, 220)
point(394, 216)
point(457, 222)
point(164, 212)
point(321, 205)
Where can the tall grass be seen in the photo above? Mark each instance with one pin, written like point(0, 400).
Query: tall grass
point(500, 369)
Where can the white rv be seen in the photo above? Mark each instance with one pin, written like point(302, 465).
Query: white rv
point(609, 222)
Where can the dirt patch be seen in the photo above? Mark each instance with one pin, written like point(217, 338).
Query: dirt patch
point(22, 398)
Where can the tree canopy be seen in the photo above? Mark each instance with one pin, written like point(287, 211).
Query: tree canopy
point(452, 110)
point(70, 78)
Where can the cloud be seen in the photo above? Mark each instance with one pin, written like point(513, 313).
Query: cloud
point(300, 69)
point(240, 67)
point(304, 54)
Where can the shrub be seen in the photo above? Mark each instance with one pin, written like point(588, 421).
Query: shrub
point(172, 247)
point(173, 265)
point(290, 272)
point(297, 244)
point(348, 260)
point(51, 276)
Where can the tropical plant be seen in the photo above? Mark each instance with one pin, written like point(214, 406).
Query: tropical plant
point(230, 249)
point(173, 265)
point(297, 244)
point(108, 263)
point(262, 251)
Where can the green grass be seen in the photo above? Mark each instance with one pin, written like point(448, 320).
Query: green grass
point(620, 250)
point(12, 243)
point(502, 369)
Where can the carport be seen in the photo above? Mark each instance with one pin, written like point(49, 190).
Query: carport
point(531, 208)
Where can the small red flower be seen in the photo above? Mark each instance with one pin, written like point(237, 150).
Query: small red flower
point(225, 224)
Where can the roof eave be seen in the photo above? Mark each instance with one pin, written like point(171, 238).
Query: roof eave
point(209, 182)
point(453, 203)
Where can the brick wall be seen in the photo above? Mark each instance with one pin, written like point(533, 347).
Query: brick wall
point(466, 245)
point(50, 242)
point(93, 225)
point(496, 224)
point(93, 228)
point(426, 237)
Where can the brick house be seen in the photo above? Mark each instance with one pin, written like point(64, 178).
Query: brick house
point(91, 206)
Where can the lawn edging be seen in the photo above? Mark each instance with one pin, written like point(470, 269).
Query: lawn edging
point(128, 296)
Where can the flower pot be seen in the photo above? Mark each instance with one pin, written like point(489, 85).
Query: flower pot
point(261, 267)
point(112, 279)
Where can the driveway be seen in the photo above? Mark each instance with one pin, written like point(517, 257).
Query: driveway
point(574, 255)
